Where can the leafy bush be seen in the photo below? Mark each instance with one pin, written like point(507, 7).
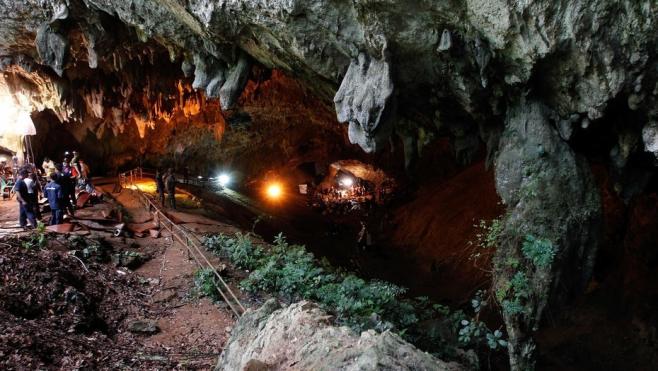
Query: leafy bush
point(37, 239)
point(293, 273)
point(474, 332)
point(540, 251)
point(487, 236)
point(367, 304)
point(520, 291)
point(204, 284)
point(239, 249)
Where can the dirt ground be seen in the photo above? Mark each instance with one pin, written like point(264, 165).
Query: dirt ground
point(61, 312)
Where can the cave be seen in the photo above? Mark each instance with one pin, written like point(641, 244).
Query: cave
point(439, 184)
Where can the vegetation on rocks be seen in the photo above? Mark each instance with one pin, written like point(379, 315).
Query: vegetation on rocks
point(293, 274)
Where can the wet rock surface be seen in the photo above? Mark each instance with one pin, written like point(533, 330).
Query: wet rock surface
point(300, 337)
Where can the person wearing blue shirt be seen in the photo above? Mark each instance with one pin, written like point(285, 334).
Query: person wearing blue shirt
point(53, 192)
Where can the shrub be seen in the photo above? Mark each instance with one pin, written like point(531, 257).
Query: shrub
point(540, 251)
point(204, 284)
point(489, 233)
point(37, 239)
point(367, 304)
point(293, 273)
point(239, 249)
point(520, 292)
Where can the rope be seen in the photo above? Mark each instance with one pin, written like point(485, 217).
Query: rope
point(183, 237)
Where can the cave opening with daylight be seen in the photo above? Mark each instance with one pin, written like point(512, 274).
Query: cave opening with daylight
point(411, 185)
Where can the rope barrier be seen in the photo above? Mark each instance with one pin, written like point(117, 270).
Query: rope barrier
point(184, 238)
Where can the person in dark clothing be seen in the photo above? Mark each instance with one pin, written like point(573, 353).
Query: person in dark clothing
point(53, 192)
point(159, 182)
point(34, 194)
point(68, 189)
point(25, 208)
point(170, 184)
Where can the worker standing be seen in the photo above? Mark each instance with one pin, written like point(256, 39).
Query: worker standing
point(160, 185)
point(34, 189)
point(53, 192)
point(170, 183)
point(25, 208)
point(68, 189)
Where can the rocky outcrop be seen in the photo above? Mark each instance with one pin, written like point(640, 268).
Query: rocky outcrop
point(300, 337)
point(550, 196)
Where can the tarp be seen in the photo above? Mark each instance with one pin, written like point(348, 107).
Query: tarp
point(21, 125)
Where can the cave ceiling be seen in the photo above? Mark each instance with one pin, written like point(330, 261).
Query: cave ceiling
point(390, 67)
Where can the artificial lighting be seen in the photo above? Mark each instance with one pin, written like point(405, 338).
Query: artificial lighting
point(346, 182)
point(3, 159)
point(224, 180)
point(274, 191)
point(200, 177)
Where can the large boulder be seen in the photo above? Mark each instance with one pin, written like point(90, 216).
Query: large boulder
point(301, 337)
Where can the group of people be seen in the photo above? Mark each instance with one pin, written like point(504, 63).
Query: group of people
point(166, 182)
point(61, 181)
point(338, 200)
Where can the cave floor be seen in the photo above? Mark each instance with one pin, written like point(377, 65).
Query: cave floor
point(191, 329)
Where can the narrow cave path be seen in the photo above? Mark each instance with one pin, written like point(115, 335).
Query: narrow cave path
point(192, 329)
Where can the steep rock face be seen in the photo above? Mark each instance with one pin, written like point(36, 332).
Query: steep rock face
point(300, 337)
point(550, 195)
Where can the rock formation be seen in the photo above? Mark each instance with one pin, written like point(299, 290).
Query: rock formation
point(299, 337)
point(544, 74)
point(550, 194)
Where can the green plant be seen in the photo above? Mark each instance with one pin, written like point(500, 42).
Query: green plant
point(495, 340)
point(205, 284)
point(489, 233)
point(239, 249)
point(487, 237)
point(540, 251)
point(517, 292)
point(475, 332)
point(37, 239)
point(293, 273)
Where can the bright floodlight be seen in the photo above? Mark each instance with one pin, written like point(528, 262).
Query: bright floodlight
point(347, 182)
point(274, 191)
point(224, 180)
